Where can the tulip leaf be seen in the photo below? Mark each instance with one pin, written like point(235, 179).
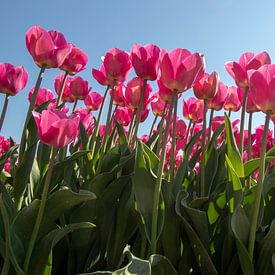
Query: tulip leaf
point(232, 149)
point(43, 250)
point(252, 165)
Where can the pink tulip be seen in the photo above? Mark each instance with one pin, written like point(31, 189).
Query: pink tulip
point(180, 69)
point(13, 79)
point(75, 61)
point(79, 87)
point(93, 101)
point(217, 102)
point(101, 77)
point(232, 101)
point(55, 128)
point(262, 87)
point(123, 116)
point(193, 109)
point(180, 129)
point(65, 109)
point(43, 96)
point(165, 93)
point(207, 86)
point(86, 118)
point(144, 138)
point(117, 65)
point(67, 93)
point(145, 60)
point(144, 115)
point(118, 97)
point(238, 70)
point(48, 48)
point(133, 93)
point(157, 105)
point(251, 106)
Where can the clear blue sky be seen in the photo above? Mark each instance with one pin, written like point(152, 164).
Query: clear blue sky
point(221, 29)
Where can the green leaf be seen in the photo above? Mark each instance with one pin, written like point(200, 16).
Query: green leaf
point(160, 265)
point(41, 260)
point(241, 227)
point(252, 165)
point(232, 149)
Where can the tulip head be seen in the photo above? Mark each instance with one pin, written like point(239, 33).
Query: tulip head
point(43, 96)
point(79, 87)
point(93, 101)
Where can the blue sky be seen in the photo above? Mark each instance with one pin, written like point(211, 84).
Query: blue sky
point(221, 29)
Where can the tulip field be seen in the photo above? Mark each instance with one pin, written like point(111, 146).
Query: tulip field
point(85, 191)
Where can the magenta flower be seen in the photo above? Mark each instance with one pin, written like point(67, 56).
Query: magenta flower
point(180, 69)
point(55, 128)
point(238, 70)
point(75, 61)
point(93, 101)
point(101, 77)
point(118, 96)
point(43, 96)
point(232, 102)
point(13, 79)
point(48, 48)
point(217, 102)
point(157, 105)
point(193, 109)
point(67, 93)
point(79, 87)
point(145, 61)
point(123, 116)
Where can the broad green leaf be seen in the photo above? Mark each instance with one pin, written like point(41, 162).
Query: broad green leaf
point(252, 165)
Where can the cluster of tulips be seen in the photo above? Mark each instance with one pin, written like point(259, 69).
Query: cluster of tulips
point(179, 196)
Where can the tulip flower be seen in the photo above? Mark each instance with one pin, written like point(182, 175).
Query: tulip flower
point(75, 61)
point(86, 119)
point(123, 116)
point(43, 96)
point(55, 128)
point(238, 70)
point(101, 77)
point(67, 93)
point(165, 93)
point(145, 61)
point(193, 109)
point(180, 129)
point(232, 102)
point(157, 105)
point(47, 48)
point(79, 88)
point(93, 101)
point(65, 109)
point(117, 65)
point(118, 95)
point(217, 102)
point(180, 69)
point(133, 93)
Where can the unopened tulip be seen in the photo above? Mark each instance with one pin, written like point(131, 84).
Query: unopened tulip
point(55, 128)
point(180, 129)
point(79, 87)
point(43, 96)
point(67, 93)
point(145, 61)
point(232, 102)
point(180, 69)
point(157, 105)
point(165, 93)
point(144, 114)
point(123, 116)
point(117, 65)
point(101, 77)
point(48, 48)
point(207, 86)
point(13, 79)
point(86, 118)
point(118, 96)
point(93, 101)
point(238, 70)
point(193, 109)
point(261, 83)
point(75, 61)
point(217, 102)
point(133, 93)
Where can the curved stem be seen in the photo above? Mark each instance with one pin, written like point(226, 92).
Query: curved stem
point(209, 125)
point(139, 113)
point(96, 130)
point(157, 190)
point(61, 91)
point(253, 227)
point(249, 136)
point(4, 110)
point(153, 126)
point(40, 211)
point(160, 129)
point(243, 120)
point(172, 157)
point(203, 161)
point(75, 103)
point(29, 113)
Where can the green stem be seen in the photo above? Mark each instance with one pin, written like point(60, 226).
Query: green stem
point(96, 130)
point(108, 122)
point(61, 91)
point(113, 115)
point(203, 146)
point(153, 126)
point(157, 190)
point(243, 120)
point(131, 127)
point(40, 211)
point(229, 113)
point(254, 221)
point(29, 113)
point(140, 106)
point(193, 129)
point(4, 111)
point(172, 156)
point(249, 136)
point(187, 132)
point(75, 103)
point(160, 130)
point(210, 125)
